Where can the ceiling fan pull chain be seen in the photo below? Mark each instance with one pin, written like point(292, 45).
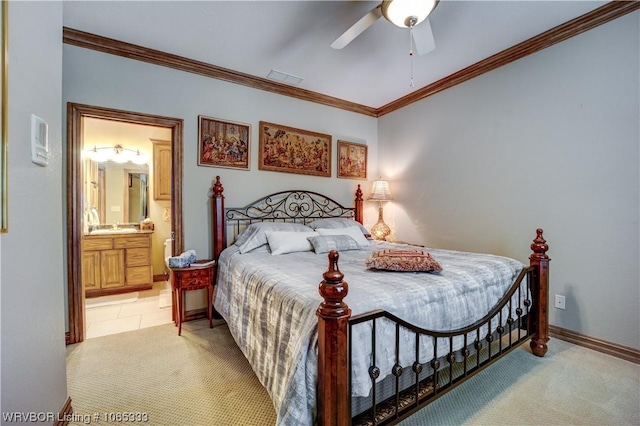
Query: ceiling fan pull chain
point(411, 52)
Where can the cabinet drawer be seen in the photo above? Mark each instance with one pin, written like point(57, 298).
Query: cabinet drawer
point(97, 244)
point(132, 241)
point(194, 278)
point(139, 275)
point(138, 257)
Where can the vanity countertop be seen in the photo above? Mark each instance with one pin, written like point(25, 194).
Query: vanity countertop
point(116, 232)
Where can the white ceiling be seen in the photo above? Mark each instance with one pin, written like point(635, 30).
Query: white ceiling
point(294, 37)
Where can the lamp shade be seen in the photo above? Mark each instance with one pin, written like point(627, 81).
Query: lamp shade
point(399, 12)
point(380, 191)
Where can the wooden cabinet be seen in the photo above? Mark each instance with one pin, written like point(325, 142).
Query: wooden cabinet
point(161, 169)
point(116, 263)
point(111, 269)
point(91, 270)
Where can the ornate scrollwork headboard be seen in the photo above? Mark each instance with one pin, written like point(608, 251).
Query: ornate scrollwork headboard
point(298, 206)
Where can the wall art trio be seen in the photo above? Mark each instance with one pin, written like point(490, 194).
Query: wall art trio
point(223, 143)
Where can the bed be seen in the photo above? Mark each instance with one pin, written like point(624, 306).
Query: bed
point(337, 340)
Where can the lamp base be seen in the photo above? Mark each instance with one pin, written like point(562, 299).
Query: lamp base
point(380, 230)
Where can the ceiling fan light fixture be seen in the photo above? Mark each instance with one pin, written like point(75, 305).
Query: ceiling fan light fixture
point(405, 13)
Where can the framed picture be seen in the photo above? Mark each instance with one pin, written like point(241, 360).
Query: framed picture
point(352, 160)
point(289, 150)
point(223, 143)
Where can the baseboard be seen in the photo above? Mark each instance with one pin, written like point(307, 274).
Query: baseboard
point(613, 349)
point(195, 314)
point(161, 277)
point(65, 415)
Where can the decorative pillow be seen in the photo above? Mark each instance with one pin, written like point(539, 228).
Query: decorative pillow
point(254, 235)
point(338, 222)
point(282, 242)
point(352, 231)
point(403, 260)
point(326, 243)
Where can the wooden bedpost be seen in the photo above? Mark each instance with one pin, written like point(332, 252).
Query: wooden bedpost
point(333, 400)
point(540, 260)
point(218, 230)
point(359, 204)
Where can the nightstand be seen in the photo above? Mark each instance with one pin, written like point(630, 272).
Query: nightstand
point(198, 275)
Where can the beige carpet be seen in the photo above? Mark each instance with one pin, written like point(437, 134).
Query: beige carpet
point(202, 378)
point(199, 378)
point(571, 385)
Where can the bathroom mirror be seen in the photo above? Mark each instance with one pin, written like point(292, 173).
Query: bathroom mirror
point(137, 192)
point(117, 191)
point(125, 192)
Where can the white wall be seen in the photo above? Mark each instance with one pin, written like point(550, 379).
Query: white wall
point(549, 141)
point(95, 78)
point(33, 282)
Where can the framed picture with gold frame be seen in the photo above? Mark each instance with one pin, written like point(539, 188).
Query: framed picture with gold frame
point(352, 160)
point(290, 150)
point(4, 33)
point(223, 143)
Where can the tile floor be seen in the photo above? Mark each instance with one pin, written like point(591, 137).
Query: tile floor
point(116, 314)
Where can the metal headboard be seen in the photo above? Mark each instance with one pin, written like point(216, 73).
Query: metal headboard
point(297, 206)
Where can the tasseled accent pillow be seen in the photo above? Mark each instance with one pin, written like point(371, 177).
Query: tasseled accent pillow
point(403, 261)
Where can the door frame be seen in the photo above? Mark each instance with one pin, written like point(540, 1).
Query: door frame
point(75, 114)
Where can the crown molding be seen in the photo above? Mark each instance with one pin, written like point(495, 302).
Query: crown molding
point(131, 51)
point(597, 17)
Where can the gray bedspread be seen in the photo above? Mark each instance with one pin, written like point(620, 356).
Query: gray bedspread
point(270, 302)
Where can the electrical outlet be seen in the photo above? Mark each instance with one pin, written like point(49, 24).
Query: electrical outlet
point(559, 302)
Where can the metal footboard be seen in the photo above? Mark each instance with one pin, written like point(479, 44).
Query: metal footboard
point(442, 359)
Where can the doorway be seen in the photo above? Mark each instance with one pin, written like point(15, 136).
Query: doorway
point(76, 114)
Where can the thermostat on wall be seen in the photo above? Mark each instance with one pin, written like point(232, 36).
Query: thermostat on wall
point(39, 141)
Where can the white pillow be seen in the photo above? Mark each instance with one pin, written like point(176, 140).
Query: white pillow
point(326, 243)
point(282, 242)
point(352, 231)
point(337, 222)
point(254, 236)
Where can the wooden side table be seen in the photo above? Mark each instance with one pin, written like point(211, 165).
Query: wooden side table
point(198, 275)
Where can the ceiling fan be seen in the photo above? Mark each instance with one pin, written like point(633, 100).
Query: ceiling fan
point(403, 13)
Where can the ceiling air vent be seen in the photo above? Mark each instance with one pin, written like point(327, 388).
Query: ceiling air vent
point(283, 77)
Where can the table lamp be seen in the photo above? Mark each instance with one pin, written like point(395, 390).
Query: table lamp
point(380, 192)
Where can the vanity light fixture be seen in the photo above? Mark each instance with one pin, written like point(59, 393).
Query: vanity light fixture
point(381, 193)
point(117, 154)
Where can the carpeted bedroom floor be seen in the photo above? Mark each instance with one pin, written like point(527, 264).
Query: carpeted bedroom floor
point(202, 378)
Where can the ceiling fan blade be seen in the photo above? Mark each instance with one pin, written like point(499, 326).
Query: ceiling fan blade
point(356, 29)
point(423, 37)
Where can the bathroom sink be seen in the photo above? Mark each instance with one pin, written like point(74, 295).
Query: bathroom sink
point(113, 231)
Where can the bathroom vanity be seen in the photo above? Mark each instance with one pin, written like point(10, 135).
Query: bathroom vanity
point(116, 261)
